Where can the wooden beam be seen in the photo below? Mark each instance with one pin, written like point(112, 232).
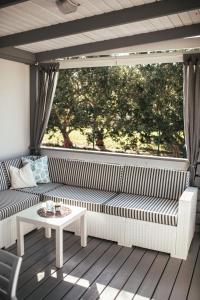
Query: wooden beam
point(177, 44)
point(114, 18)
point(134, 59)
point(5, 3)
point(17, 55)
point(117, 43)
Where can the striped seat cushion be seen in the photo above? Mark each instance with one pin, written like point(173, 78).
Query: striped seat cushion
point(143, 208)
point(161, 183)
point(89, 198)
point(12, 202)
point(3, 179)
point(41, 188)
point(92, 175)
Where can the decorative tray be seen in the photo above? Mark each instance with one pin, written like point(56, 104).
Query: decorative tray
point(65, 211)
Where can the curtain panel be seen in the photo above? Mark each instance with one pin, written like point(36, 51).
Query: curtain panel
point(192, 109)
point(46, 76)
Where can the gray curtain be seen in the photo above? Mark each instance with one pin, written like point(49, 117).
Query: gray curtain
point(46, 81)
point(192, 109)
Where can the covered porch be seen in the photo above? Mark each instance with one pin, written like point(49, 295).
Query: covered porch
point(36, 41)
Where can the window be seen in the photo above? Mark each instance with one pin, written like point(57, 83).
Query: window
point(132, 109)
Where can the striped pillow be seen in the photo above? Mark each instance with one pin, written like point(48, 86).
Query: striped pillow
point(15, 162)
point(163, 183)
point(3, 180)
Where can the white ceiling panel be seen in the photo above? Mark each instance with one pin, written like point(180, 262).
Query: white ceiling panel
point(102, 34)
point(39, 13)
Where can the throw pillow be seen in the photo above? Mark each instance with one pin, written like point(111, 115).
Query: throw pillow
point(22, 178)
point(39, 168)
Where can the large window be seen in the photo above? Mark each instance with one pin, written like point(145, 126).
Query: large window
point(132, 109)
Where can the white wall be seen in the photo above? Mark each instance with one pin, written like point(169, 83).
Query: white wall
point(124, 159)
point(14, 109)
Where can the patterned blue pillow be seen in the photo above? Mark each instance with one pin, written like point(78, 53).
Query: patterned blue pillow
point(39, 168)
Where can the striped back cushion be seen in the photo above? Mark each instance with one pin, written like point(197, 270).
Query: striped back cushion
point(57, 169)
point(168, 184)
point(3, 180)
point(16, 162)
point(86, 174)
point(94, 175)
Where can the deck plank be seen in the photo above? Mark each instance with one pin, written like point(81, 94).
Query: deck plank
point(133, 283)
point(47, 245)
point(106, 276)
point(39, 280)
point(118, 281)
point(30, 239)
point(90, 276)
point(39, 267)
point(105, 270)
point(152, 278)
point(167, 280)
point(194, 292)
point(184, 277)
point(75, 259)
point(67, 283)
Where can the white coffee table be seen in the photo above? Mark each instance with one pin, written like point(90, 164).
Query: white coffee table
point(31, 216)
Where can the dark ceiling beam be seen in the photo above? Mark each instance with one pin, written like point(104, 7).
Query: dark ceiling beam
point(114, 18)
point(117, 43)
point(17, 55)
point(5, 3)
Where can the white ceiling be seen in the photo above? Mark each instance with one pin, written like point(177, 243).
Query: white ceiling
point(39, 13)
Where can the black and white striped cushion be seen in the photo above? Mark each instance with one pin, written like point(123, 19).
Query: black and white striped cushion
point(162, 183)
point(143, 208)
point(16, 162)
point(3, 179)
point(40, 188)
point(77, 196)
point(93, 175)
point(12, 202)
point(86, 174)
point(57, 169)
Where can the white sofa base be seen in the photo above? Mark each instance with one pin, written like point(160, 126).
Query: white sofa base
point(8, 231)
point(129, 232)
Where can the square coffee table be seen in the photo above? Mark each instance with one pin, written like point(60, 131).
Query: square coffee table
point(31, 216)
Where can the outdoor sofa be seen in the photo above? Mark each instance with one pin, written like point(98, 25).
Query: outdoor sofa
point(132, 205)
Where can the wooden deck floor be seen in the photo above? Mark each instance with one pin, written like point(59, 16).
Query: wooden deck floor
point(104, 270)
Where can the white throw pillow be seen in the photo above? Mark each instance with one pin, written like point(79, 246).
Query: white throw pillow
point(22, 178)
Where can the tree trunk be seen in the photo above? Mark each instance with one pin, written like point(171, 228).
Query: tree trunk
point(100, 141)
point(158, 149)
point(67, 143)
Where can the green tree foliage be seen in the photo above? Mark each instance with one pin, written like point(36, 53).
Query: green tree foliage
point(68, 111)
point(137, 106)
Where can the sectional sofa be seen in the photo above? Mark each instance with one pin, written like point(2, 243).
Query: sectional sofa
point(145, 207)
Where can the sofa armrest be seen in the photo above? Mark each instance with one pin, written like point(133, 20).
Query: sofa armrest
point(186, 221)
point(189, 195)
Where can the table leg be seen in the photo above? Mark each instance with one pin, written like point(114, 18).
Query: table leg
point(83, 225)
point(20, 239)
point(59, 247)
point(48, 232)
